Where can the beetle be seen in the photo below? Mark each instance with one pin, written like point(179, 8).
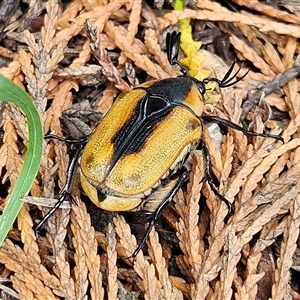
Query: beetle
point(134, 160)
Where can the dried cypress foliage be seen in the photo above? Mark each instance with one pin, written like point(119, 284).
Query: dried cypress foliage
point(251, 256)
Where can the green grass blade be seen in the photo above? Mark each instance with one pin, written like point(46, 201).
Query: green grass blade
point(10, 92)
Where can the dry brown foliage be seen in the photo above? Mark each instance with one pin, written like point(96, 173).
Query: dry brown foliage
point(251, 256)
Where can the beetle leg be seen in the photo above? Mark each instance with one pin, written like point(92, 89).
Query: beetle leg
point(209, 178)
point(70, 141)
point(66, 191)
point(214, 119)
point(181, 178)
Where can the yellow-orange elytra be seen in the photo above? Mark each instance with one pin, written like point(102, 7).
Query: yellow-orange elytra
point(144, 138)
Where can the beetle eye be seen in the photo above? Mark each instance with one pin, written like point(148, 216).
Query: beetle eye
point(201, 87)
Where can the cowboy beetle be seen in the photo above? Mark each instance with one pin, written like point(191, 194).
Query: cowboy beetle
point(134, 160)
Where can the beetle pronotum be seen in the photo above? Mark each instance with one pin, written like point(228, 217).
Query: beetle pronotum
point(134, 160)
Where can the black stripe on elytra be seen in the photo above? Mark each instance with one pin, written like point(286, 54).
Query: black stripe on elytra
point(158, 102)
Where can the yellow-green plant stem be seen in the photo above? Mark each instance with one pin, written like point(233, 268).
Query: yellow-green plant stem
point(10, 92)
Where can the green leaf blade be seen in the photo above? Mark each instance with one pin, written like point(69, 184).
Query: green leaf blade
point(10, 92)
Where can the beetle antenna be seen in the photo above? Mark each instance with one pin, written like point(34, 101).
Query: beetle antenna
point(227, 81)
point(229, 72)
point(172, 44)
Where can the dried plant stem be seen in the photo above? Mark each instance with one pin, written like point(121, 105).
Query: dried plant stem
point(187, 228)
point(223, 288)
point(249, 288)
point(145, 270)
point(27, 234)
point(288, 247)
point(134, 21)
point(270, 11)
point(13, 69)
point(16, 260)
point(251, 55)
point(278, 81)
point(9, 154)
point(167, 291)
point(151, 43)
point(61, 101)
point(30, 287)
point(109, 70)
point(62, 267)
point(142, 61)
point(87, 260)
point(112, 270)
point(101, 15)
point(279, 200)
point(263, 24)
